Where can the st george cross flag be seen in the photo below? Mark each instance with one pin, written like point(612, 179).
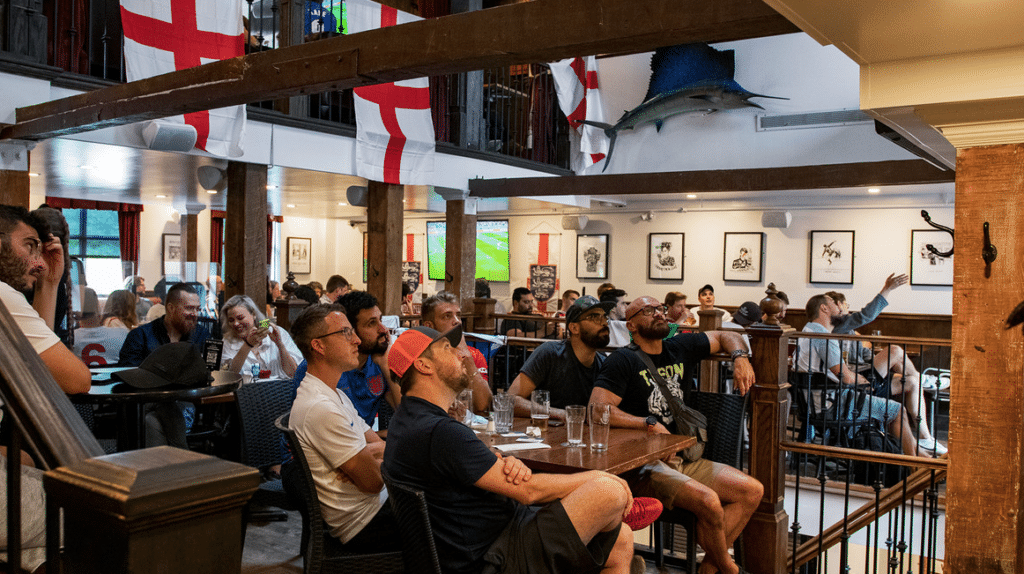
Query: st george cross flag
point(579, 98)
point(394, 132)
point(162, 36)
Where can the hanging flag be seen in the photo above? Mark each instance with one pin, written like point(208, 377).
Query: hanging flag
point(579, 98)
point(394, 132)
point(162, 36)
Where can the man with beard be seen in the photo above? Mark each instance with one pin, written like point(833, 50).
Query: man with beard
point(366, 385)
point(30, 263)
point(722, 497)
point(167, 423)
point(484, 516)
point(568, 368)
point(523, 303)
point(441, 312)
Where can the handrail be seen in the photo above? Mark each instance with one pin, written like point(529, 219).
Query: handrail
point(871, 338)
point(864, 455)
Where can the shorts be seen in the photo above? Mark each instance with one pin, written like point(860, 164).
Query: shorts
point(543, 539)
point(881, 386)
point(663, 480)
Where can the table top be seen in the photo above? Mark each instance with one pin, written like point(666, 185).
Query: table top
point(223, 382)
point(627, 449)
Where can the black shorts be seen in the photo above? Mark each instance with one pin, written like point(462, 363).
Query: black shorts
point(543, 539)
point(378, 535)
point(881, 386)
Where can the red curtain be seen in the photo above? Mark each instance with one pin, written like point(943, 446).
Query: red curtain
point(216, 235)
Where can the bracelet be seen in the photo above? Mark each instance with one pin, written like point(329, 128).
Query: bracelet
point(740, 353)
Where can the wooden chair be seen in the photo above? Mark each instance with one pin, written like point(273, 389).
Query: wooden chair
point(410, 509)
point(321, 552)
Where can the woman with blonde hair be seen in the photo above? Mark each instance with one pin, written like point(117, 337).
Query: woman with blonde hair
point(247, 344)
point(119, 310)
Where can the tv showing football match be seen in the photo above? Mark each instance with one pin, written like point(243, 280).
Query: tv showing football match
point(492, 256)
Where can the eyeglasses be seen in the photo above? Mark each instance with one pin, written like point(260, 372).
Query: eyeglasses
point(651, 310)
point(347, 332)
point(599, 318)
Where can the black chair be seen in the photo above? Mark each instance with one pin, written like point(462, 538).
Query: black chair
point(88, 413)
point(410, 509)
point(725, 414)
point(259, 404)
point(320, 551)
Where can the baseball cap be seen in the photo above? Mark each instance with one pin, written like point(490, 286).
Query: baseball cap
point(584, 304)
point(747, 314)
point(411, 344)
point(171, 364)
point(638, 304)
point(707, 287)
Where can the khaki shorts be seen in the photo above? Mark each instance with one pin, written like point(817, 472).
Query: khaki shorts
point(662, 481)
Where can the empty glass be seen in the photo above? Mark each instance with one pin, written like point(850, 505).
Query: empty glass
point(600, 419)
point(504, 405)
point(466, 404)
point(575, 416)
point(539, 409)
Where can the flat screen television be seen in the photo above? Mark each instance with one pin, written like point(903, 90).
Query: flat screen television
point(492, 256)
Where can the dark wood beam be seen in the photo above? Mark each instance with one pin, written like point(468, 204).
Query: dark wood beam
point(902, 172)
point(518, 34)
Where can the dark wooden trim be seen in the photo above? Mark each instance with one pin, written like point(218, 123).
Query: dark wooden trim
point(556, 29)
point(898, 172)
point(869, 456)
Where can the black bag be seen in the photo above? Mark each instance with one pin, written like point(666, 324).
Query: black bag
point(688, 421)
point(871, 438)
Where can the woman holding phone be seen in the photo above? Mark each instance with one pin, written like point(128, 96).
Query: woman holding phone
point(251, 339)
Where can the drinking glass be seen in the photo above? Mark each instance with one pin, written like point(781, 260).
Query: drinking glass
point(600, 419)
point(575, 416)
point(539, 406)
point(466, 399)
point(504, 405)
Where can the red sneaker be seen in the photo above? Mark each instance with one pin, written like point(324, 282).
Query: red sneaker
point(644, 512)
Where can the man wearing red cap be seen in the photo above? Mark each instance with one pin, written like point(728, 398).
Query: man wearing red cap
point(483, 518)
point(722, 497)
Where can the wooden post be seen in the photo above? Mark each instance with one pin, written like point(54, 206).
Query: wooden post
point(245, 233)
point(14, 180)
point(286, 310)
point(155, 510)
point(986, 432)
point(484, 310)
point(768, 528)
point(460, 251)
point(292, 34)
point(709, 321)
point(190, 241)
point(384, 252)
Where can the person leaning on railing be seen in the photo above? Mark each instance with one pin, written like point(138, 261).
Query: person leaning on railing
point(247, 344)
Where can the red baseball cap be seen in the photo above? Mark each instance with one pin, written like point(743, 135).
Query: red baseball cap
point(411, 344)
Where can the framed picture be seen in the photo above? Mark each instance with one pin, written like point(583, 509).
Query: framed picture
point(744, 257)
point(543, 282)
point(831, 257)
point(665, 256)
point(592, 256)
point(300, 251)
point(171, 252)
point(927, 268)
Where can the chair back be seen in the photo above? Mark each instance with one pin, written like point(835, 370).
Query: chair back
point(409, 506)
point(725, 425)
point(313, 526)
point(259, 403)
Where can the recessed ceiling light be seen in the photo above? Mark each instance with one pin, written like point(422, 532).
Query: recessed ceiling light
point(874, 190)
point(161, 196)
point(691, 196)
point(342, 203)
point(32, 174)
point(271, 187)
point(291, 205)
point(212, 191)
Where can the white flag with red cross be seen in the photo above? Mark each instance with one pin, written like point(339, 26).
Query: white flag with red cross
point(394, 131)
point(162, 36)
point(580, 99)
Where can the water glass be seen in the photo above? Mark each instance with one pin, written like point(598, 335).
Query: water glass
point(504, 406)
point(575, 416)
point(539, 409)
point(600, 420)
point(466, 400)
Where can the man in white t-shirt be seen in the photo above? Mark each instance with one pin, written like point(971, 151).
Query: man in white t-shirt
point(343, 452)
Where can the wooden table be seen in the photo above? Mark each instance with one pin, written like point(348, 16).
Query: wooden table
point(627, 449)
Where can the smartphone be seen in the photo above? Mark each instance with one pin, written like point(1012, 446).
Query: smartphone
point(264, 324)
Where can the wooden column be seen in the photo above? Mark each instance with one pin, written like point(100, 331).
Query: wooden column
point(709, 321)
point(767, 530)
point(460, 251)
point(384, 252)
point(984, 504)
point(190, 241)
point(484, 323)
point(245, 232)
point(292, 13)
point(14, 181)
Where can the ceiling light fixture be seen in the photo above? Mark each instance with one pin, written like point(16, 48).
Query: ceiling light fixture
point(691, 196)
point(291, 205)
point(342, 203)
point(874, 190)
point(212, 191)
point(161, 196)
point(32, 174)
point(272, 187)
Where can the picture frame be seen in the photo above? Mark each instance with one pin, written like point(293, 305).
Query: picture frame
point(665, 252)
point(743, 258)
point(300, 255)
point(927, 268)
point(592, 256)
point(171, 252)
point(831, 257)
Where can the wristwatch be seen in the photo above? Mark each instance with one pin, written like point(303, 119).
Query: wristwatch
point(740, 353)
point(652, 421)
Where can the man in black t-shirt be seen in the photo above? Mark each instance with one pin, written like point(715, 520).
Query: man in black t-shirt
point(482, 507)
point(568, 368)
point(722, 497)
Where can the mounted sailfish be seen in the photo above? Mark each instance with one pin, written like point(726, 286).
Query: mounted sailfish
point(684, 79)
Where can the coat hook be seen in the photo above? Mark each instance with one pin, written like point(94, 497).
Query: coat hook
point(988, 252)
point(930, 247)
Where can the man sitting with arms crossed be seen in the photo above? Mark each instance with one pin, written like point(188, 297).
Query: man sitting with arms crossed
point(568, 368)
point(441, 313)
point(343, 452)
point(722, 497)
point(483, 517)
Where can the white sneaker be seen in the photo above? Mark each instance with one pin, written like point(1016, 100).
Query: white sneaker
point(929, 382)
point(931, 445)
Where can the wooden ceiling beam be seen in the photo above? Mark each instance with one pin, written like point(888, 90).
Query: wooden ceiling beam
point(523, 33)
point(901, 172)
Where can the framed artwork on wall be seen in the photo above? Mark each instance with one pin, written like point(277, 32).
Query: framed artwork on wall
point(300, 255)
point(665, 256)
point(171, 254)
point(744, 257)
point(927, 268)
point(592, 256)
point(831, 257)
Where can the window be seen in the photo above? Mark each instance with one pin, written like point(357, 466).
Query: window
point(96, 242)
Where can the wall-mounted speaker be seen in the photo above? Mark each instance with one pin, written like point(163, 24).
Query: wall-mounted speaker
point(780, 219)
point(167, 136)
point(356, 195)
point(574, 221)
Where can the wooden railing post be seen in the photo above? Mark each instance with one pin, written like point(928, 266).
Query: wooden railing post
point(483, 321)
point(768, 528)
point(710, 320)
point(287, 310)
